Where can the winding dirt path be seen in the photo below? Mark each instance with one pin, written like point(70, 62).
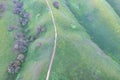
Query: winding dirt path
point(55, 41)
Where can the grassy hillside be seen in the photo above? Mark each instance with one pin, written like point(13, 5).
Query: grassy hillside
point(87, 43)
point(115, 5)
point(101, 22)
point(7, 55)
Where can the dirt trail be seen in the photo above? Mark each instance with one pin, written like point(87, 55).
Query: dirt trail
point(55, 41)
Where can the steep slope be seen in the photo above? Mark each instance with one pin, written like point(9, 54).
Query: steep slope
point(87, 41)
point(115, 5)
point(6, 39)
point(101, 22)
point(76, 54)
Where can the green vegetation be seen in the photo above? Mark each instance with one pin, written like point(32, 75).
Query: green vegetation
point(101, 23)
point(87, 43)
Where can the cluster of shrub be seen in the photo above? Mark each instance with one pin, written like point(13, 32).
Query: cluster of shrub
point(2, 7)
point(14, 67)
point(18, 10)
point(22, 40)
point(21, 43)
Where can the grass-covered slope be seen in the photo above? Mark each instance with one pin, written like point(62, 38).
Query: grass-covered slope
point(101, 22)
point(7, 55)
point(115, 5)
point(87, 42)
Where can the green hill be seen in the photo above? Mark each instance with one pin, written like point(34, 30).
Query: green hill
point(87, 42)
